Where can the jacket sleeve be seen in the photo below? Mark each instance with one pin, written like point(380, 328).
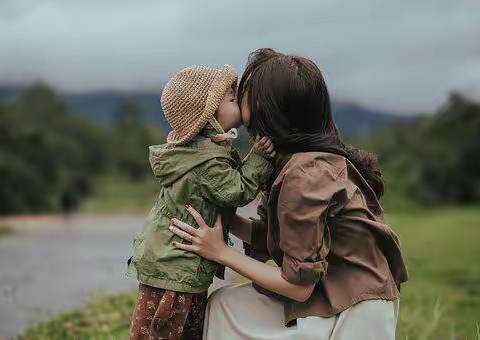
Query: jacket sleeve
point(227, 187)
point(304, 200)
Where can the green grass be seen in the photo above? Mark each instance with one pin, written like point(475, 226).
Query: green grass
point(441, 300)
point(104, 319)
point(114, 194)
point(441, 247)
point(5, 230)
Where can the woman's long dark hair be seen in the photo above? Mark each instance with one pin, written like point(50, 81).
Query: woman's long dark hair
point(289, 102)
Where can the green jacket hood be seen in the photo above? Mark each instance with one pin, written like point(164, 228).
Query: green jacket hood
point(169, 162)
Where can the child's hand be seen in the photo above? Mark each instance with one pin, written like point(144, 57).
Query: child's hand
point(264, 147)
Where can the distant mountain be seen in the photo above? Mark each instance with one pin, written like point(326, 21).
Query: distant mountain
point(102, 106)
point(355, 120)
point(8, 93)
point(352, 119)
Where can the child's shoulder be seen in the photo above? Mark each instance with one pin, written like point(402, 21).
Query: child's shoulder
point(195, 145)
point(200, 151)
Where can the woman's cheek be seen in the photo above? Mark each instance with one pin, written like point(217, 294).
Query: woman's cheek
point(245, 112)
point(245, 118)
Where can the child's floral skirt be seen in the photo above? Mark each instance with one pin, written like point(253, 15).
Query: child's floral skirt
point(167, 315)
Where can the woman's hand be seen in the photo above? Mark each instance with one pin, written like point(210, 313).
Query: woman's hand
point(205, 241)
point(208, 243)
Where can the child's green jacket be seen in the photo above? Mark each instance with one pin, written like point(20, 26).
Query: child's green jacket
point(204, 175)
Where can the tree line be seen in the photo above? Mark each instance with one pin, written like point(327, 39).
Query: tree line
point(435, 160)
point(49, 155)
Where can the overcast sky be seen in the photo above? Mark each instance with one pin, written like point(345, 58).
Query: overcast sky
point(404, 56)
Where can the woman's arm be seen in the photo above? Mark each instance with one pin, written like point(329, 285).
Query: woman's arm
point(241, 227)
point(208, 243)
point(266, 275)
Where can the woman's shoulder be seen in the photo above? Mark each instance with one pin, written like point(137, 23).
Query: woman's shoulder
point(313, 170)
point(316, 175)
point(315, 164)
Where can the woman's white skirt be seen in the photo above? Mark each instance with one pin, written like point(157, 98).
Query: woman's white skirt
point(240, 312)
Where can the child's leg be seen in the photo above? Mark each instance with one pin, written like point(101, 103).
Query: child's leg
point(162, 314)
point(148, 299)
point(194, 324)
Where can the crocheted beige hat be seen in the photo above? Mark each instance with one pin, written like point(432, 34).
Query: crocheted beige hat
point(191, 98)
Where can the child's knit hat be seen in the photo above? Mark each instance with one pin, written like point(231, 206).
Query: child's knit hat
point(191, 98)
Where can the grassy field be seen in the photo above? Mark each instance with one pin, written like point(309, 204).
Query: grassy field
point(105, 319)
point(114, 194)
point(441, 301)
point(5, 230)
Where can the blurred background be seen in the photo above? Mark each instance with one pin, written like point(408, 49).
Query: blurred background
point(79, 105)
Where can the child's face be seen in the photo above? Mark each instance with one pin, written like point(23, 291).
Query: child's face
point(228, 112)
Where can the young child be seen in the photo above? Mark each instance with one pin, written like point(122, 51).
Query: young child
point(199, 167)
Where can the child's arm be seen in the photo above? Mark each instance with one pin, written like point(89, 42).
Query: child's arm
point(227, 187)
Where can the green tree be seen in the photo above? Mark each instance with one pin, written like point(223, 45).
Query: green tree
point(435, 160)
point(45, 150)
point(132, 141)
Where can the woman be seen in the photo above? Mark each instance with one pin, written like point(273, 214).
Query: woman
point(339, 266)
